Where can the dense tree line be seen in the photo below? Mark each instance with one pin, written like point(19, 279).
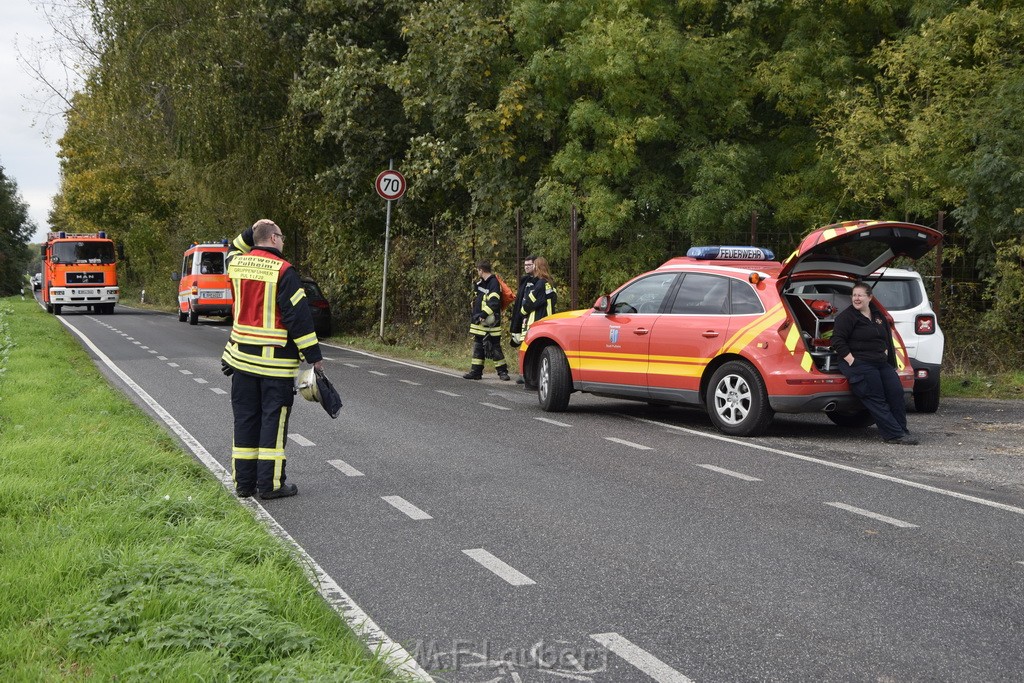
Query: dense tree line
point(15, 230)
point(667, 123)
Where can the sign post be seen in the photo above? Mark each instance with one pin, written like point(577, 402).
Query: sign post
point(390, 185)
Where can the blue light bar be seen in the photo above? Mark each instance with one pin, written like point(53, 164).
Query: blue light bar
point(721, 253)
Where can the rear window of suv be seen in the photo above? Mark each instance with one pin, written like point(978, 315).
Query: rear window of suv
point(898, 295)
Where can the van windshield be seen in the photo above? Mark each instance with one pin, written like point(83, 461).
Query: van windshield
point(83, 252)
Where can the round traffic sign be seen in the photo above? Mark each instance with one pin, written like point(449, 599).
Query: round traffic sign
point(390, 184)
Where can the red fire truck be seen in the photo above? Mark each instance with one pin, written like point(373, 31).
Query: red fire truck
point(79, 269)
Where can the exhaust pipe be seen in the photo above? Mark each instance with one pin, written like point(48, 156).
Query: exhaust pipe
point(830, 406)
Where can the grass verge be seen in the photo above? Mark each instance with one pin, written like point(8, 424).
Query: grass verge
point(121, 557)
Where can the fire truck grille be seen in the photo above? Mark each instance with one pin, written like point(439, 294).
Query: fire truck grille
point(85, 278)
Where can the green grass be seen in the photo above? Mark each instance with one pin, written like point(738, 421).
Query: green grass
point(121, 557)
point(455, 356)
point(980, 385)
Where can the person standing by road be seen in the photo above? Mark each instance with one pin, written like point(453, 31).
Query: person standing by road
point(515, 326)
point(271, 332)
point(542, 298)
point(862, 340)
point(485, 324)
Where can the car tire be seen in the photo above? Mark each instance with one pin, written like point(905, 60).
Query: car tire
point(926, 401)
point(182, 316)
point(193, 317)
point(56, 309)
point(855, 419)
point(554, 381)
point(737, 400)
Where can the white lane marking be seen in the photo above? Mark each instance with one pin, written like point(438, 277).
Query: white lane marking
point(350, 365)
point(722, 470)
point(143, 347)
point(410, 510)
point(199, 380)
point(495, 405)
point(345, 468)
point(161, 357)
point(448, 393)
point(448, 373)
point(172, 365)
point(410, 382)
point(137, 343)
point(628, 443)
point(379, 374)
point(838, 466)
point(873, 515)
point(503, 570)
point(640, 658)
point(301, 440)
point(152, 351)
point(552, 422)
point(375, 639)
point(218, 390)
point(185, 372)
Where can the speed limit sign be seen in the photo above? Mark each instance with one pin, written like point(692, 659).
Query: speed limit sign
point(390, 184)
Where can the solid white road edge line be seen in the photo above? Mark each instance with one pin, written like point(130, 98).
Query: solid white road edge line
point(628, 443)
point(836, 465)
point(301, 440)
point(873, 515)
point(552, 422)
point(640, 658)
point(373, 637)
point(345, 468)
point(402, 505)
point(722, 470)
point(505, 571)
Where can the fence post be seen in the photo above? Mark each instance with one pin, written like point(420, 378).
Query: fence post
point(573, 259)
point(519, 244)
point(753, 228)
point(937, 284)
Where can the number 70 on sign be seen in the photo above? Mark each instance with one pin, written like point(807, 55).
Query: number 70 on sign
point(390, 184)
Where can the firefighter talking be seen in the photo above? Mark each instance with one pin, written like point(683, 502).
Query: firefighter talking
point(271, 333)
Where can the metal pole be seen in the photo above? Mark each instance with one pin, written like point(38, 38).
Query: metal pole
point(753, 228)
point(574, 259)
point(519, 244)
point(937, 284)
point(387, 238)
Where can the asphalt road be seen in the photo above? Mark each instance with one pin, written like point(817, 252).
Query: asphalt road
point(619, 542)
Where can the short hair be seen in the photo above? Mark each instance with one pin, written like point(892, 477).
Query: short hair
point(484, 266)
point(863, 285)
point(531, 257)
point(263, 229)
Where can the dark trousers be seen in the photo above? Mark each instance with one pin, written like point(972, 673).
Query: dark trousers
point(878, 387)
point(486, 346)
point(261, 406)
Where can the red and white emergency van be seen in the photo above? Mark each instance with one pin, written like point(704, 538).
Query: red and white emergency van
point(203, 284)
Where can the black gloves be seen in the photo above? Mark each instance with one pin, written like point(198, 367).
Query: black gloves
point(226, 369)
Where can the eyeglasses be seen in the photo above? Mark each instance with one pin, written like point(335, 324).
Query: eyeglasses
point(279, 234)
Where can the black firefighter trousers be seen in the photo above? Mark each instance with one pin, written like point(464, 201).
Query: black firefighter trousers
point(261, 407)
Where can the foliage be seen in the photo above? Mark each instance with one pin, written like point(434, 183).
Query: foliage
point(15, 230)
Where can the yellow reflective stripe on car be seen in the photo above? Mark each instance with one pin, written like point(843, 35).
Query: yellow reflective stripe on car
point(741, 339)
point(792, 338)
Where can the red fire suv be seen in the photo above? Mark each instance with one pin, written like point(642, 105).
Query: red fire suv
point(728, 328)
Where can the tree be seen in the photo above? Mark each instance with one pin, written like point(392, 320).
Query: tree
point(15, 231)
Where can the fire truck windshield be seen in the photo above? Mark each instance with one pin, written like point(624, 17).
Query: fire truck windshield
point(83, 252)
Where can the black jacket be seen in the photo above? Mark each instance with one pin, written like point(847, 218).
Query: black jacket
point(868, 340)
point(526, 283)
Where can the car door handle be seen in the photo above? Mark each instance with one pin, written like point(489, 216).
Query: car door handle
point(641, 331)
point(710, 334)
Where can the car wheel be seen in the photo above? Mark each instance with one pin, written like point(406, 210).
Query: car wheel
point(193, 317)
point(926, 401)
point(554, 381)
point(56, 309)
point(737, 400)
point(851, 418)
point(49, 308)
point(182, 316)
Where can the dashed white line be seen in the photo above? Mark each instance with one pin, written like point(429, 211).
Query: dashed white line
point(301, 440)
point(152, 351)
point(503, 570)
point(143, 347)
point(199, 380)
point(185, 372)
point(379, 374)
point(637, 446)
point(350, 365)
point(552, 422)
point(640, 658)
point(410, 382)
point(495, 406)
point(218, 390)
point(161, 357)
point(448, 393)
point(873, 515)
point(137, 343)
point(345, 468)
point(172, 365)
point(722, 470)
point(410, 510)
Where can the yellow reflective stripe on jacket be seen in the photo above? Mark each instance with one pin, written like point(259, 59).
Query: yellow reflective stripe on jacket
point(246, 334)
point(306, 341)
point(264, 365)
point(298, 296)
point(486, 308)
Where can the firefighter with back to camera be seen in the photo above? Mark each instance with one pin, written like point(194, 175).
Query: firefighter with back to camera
point(485, 324)
point(271, 333)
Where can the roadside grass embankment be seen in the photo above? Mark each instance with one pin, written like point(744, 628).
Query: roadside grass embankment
point(121, 557)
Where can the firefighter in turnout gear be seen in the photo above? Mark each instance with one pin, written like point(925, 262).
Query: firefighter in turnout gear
point(272, 332)
point(485, 324)
point(541, 298)
point(526, 282)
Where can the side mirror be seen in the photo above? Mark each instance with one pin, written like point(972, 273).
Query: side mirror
point(42, 251)
point(176, 276)
point(601, 305)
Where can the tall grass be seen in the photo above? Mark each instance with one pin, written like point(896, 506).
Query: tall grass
point(123, 558)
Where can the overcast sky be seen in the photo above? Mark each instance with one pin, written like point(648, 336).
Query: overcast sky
point(30, 121)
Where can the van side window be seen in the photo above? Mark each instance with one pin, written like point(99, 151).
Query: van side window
point(744, 299)
point(186, 269)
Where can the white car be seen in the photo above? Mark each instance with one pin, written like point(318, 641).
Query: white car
point(903, 294)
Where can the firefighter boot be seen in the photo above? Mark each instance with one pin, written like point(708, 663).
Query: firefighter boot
point(475, 373)
point(283, 492)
